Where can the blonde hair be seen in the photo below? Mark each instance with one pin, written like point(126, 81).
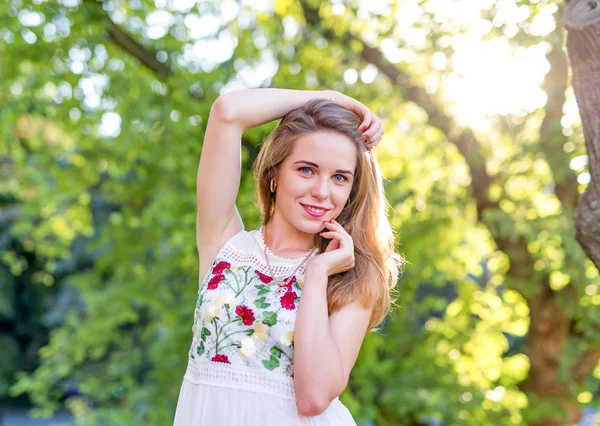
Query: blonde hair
point(364, 217)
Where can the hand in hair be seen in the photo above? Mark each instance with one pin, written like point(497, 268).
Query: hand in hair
point(370, 125)
point(339, 255)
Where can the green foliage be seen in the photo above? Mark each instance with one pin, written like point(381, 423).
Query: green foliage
point(106, 222)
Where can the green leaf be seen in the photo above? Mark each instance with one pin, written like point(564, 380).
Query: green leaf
point(270, 318)
point(271, 364)
point(262, 289)
point(261, 304)
point(205, 332)
point(200, 348)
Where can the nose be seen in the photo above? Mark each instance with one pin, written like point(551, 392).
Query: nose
point(320, 189)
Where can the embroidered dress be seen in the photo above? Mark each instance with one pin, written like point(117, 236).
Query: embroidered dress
point(240, 364)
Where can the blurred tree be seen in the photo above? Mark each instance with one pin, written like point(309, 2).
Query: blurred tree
point(560, 344)
point(104, 108)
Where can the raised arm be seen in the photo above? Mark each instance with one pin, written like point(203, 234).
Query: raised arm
point(219, 171)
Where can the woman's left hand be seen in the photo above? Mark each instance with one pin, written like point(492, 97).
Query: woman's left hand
point(339, 254)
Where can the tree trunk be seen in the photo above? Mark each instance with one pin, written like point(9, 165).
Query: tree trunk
point(548, 333)
point(582, 21)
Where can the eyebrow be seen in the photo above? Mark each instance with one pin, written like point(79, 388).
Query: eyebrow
point(316, 166)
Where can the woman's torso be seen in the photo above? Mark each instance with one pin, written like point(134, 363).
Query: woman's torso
point(242, 317)
point(240, 363)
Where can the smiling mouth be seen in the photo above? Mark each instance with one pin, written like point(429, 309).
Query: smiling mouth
point(315, 211)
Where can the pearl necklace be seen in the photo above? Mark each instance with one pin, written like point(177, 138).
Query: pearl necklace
point(281, 285)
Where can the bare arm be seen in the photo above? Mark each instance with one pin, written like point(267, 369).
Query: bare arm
point(219, 171)
point(325, 348)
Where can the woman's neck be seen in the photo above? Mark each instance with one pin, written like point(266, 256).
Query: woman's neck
point(285, 240)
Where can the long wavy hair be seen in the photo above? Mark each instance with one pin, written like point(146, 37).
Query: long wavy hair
point(364, 217)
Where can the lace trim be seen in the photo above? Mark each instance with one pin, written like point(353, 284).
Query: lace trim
point(223, 375)
point(261, 240)
point(245, 249)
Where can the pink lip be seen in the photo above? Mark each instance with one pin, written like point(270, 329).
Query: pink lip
point(313, 214)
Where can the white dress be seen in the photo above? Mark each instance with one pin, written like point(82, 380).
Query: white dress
point(240, 363)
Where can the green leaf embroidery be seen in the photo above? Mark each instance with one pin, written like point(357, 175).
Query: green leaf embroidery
point(205, 332)
point(271, 364)
point(276, 352)
point(270, 318)
point(262, 289)
point(200, 348)
point(297, 285)
point(260, 303)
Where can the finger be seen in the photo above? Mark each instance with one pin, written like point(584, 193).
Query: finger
point(367, 120)
point(330, 235)
point(335, 226)
point(376, 138)
point(333, 245)
point(371, 137)
point(338, 241)
point(338, 235)
point(376, 135)
point(376, 126)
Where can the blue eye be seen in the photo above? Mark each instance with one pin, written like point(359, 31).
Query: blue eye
point(343, 178)
point(303, 170)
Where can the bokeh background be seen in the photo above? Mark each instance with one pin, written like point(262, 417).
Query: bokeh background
point(103, 106)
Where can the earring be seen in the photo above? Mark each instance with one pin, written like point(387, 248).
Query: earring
point(273, 185)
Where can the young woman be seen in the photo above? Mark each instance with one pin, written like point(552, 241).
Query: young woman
point(282, 310)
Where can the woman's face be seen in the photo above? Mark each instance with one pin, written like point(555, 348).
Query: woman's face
point(315, 180)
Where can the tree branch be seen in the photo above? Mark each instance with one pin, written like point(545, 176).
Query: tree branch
point(130, 45)
point(463, 138)
point(552, 139)
point(586, 364)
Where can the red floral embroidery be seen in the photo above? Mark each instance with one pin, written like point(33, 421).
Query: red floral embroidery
point(220, 267)
point(214, 281)
point(256, 308)
point(288, 300)
point(246, 314)
point(264, 278)
point(288, 283)
point(220, 358)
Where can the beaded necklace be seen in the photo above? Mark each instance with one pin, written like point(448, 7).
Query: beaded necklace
point(281, 285)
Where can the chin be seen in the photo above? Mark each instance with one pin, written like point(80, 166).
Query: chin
point(311, 226)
